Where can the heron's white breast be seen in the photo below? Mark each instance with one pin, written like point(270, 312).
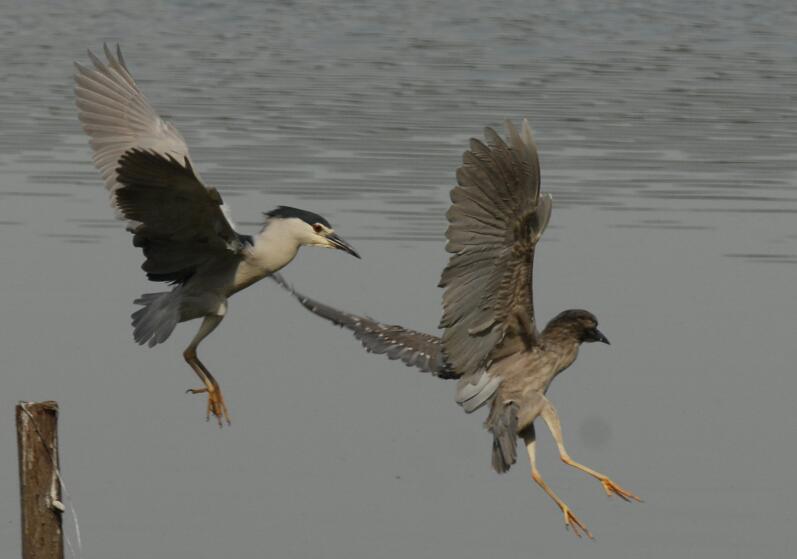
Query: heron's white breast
point(274, 249)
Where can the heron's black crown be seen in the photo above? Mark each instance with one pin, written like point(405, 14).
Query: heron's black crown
point(285, 212)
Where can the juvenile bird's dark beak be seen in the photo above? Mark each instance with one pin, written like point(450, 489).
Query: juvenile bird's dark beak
point(339, 243)
point(599, 337)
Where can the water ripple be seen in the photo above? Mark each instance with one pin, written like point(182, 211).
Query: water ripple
point(636, 110)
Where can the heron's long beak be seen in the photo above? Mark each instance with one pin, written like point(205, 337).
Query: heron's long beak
point(336, 241)
point(599, 337)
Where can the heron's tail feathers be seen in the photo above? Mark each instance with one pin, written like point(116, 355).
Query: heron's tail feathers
point(502, 423)
point(155, 320)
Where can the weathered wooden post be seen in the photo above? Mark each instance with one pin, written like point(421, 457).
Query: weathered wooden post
point(40, 488)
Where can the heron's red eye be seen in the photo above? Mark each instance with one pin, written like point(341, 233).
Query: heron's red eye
point(318, 228)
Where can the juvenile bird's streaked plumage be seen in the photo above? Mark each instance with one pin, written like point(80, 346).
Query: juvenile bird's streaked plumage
point(180, 223)
point(490, 339)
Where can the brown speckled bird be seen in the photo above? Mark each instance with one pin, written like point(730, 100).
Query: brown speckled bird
point(490, 338)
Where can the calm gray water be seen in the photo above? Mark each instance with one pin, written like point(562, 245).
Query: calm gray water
point(668, 139)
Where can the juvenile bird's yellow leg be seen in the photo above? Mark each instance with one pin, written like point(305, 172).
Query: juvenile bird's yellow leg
point(216, 404)
point(571, 520)
point(551, 419)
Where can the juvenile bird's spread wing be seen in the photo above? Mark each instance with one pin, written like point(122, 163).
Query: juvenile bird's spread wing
point(144, 161)
point(496, 218)
point(415, 349)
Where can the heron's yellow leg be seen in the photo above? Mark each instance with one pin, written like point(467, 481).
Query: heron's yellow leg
point(551, 419)
point(216, 404)
point(571, 520)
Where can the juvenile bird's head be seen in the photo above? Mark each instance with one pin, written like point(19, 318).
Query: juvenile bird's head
point(576, 325)
point(308, 228)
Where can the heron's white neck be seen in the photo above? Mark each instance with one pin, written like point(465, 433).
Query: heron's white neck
point(276, 245)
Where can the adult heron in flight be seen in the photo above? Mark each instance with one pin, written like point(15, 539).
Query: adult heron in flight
point(490, 340)
point(179, 222)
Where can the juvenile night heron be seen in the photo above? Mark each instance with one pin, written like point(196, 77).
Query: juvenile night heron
point(490, 339)
point(179, 222)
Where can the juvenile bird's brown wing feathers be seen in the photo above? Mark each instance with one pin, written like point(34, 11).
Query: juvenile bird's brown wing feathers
point(495, 221)
point(415, 349)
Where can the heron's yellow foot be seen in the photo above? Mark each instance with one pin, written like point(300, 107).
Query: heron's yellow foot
point(572, 521)
point(216, 404)
point(612, 488)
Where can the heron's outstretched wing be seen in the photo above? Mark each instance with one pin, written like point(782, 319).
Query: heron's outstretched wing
point(495, 220)
point(117, 117)
point(144, 161)
point(415, 349)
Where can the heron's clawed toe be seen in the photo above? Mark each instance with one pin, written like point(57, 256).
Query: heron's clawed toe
point(216, 405)
point(571, 520)
point(612, 488)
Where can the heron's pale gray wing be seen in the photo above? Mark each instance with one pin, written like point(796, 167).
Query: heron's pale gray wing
point(475, 391)
point(495, 220)
point(415, 349)
point(117, 117)
point(179, 221)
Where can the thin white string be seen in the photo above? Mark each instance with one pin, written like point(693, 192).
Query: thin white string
point(68, 497)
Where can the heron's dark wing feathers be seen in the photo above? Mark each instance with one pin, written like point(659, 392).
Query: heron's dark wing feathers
point(496, 218)
point(415, 349)
point(179, 222)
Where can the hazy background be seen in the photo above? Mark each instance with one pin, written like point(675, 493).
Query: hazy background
point(667, 132)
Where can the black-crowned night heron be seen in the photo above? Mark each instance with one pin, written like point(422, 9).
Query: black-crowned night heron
point(490, 338)
point(180, 223)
